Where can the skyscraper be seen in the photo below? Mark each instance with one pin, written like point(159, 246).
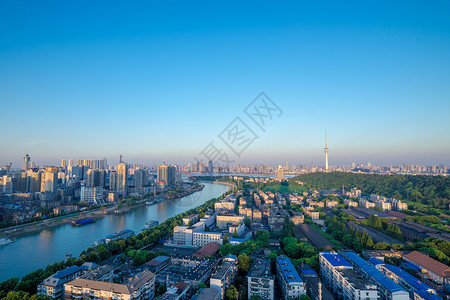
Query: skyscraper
point(26, 164)
point(122, 172)
point(50, 180)
point(280, 173)
point(166, 174)
point(140, 178)
point(326, 154)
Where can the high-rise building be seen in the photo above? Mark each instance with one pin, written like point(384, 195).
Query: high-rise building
point(166, 174)
point(33, 181)
point(326, 154)
point(210, 167)
point(26, 164)
point(49, 183)
point(122, 174)
point(280, 173)
point(113, 180)
point(95, 178)
point(63, 163)
point(140, 178)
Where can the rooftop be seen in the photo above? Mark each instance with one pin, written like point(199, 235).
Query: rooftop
point(358, 281)
point(335, 259)
point(428, 263)
point(413, 281)
point(373, 272)
point(67, 272)
point(222, 270)
point(206, 250)
point(260, 268)
point(289, 272)
point(207, 294)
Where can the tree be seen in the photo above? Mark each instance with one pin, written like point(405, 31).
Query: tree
point(225, 239)
point(232, 293)
point(304, 297)
point(244, 263)
point(202, 286)
point(235, 234)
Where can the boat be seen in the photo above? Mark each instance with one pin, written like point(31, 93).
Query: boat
point(5, 241)
point(150, 224)
point(119, 235)
point(83, 222)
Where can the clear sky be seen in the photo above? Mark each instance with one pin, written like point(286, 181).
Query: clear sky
point(158, 80)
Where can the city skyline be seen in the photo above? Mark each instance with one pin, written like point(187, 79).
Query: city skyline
point(161, 83)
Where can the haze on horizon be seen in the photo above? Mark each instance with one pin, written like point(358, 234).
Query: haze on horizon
point(158, 81)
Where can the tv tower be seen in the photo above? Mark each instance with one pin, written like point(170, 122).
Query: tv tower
point(326, 154)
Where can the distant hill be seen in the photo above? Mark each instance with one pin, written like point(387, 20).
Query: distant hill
point(430, 190)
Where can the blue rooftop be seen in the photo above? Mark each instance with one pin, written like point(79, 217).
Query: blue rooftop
point(413, 281)
point(373, 272)
point(376, 261)
point(413, 267)
point(290, 274)
point(231, 256)
point(161, 258)
point(237, 240)
point(67, 272)
point(308, 272)
point(428, 296)
point(335, 260)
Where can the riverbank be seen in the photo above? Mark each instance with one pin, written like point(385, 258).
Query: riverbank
point(32, 228)
point(48, 246)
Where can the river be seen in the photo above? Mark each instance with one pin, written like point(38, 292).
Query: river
point(38, 250)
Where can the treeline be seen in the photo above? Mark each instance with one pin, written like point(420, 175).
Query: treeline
point(428, 190)
point(385, 226)
point(130, 246)
point(351, 238)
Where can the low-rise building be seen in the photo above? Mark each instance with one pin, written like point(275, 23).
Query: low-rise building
point(207, 294)
point(224, 275)
point(224, 221)
point(179, 291)
point(202, 238)
point(139, 287)
point(292, 286)
point(53, 286)
point(433, 272)
point(260, 281)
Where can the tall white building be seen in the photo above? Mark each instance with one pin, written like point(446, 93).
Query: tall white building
point(326, 154)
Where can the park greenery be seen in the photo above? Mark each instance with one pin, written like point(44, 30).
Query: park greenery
point(430, 193)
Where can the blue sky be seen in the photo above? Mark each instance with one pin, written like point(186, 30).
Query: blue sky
point(158, 80)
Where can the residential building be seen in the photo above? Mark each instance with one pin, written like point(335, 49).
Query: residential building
point(139, 287)
point(433, 272)
point(92, 195)
point(207, 294)
point(387, 288)
point(224, 275)
point(166, 174)
point(53, 286)
point(122, 177)
point(183, 235)
point(224, 221)
point(179, 291)
point(202, 238)
point(292, 286)
point(416, 288)
point(260, 281)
